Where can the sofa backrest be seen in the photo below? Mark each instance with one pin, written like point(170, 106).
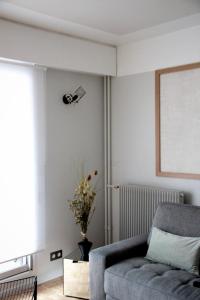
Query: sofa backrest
point(180, 219)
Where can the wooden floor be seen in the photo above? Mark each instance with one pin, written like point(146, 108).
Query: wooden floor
point(52, 290)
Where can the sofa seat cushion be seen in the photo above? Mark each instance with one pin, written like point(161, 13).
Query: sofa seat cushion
point(138, 278)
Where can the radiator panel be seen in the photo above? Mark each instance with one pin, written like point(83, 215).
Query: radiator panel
point(138, 205)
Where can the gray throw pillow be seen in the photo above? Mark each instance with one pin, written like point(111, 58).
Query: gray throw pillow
point(174, 250)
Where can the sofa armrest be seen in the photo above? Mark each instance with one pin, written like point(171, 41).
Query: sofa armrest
point(104, 257)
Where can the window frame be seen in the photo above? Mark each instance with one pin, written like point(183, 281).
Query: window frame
point(27, 265)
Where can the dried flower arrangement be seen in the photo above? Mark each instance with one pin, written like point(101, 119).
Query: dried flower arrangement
point(82, 202)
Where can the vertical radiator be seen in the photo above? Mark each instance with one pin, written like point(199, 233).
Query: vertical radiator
point(137, 206)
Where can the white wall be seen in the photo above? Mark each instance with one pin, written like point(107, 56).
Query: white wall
point(55, 50)
point(177, 48)
point(133, 111)
point(133, 136)
point(74, 134)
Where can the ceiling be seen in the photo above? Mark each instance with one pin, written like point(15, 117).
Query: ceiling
point(114, 18)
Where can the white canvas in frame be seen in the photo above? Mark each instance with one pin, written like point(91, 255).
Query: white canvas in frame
point(178, 119)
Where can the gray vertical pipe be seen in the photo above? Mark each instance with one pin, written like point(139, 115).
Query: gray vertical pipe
point(107, 159)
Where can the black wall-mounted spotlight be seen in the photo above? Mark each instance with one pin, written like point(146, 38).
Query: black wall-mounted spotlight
point(74, 97)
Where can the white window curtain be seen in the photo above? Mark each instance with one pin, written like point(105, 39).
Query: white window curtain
point(22, 160)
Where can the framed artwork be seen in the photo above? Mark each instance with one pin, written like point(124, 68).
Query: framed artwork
point(177, 92)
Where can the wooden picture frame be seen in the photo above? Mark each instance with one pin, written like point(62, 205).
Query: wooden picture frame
point(177, 109)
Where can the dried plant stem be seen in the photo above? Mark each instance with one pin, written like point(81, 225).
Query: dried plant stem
point(82, 202)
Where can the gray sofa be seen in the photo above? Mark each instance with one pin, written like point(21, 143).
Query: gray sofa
point(120, 272)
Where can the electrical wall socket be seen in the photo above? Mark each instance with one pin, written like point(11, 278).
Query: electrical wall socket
point(55, 255)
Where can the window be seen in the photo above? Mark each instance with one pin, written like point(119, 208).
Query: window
point(15, 266)
point(22, 157)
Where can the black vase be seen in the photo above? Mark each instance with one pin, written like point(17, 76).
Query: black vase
point(85, 247)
